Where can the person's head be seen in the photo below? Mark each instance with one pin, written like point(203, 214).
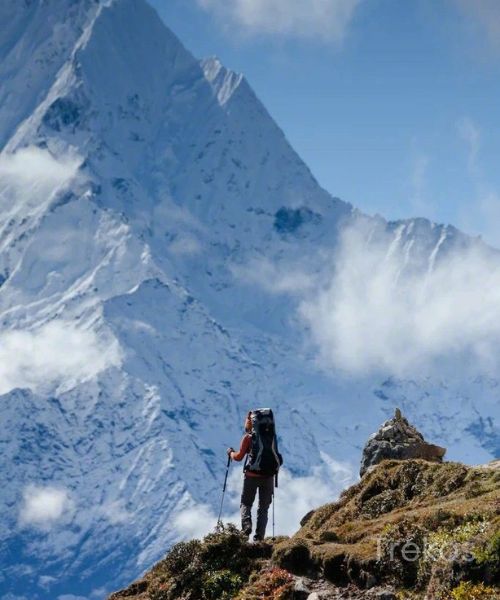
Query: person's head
point(248, 422)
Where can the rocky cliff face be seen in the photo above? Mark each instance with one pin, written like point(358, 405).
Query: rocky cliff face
point(410, 529)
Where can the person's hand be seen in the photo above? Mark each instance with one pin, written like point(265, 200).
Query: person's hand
point(229, 450)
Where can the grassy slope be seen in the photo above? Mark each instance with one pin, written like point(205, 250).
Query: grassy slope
point(448, 514)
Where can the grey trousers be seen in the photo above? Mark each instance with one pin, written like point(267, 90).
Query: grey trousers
point(265, 485)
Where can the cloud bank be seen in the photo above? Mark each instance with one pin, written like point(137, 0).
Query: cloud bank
point(30, 177)
point(58, 354)
point(30, 180)
point(35, 164)
point(324, 19)
point(44, 506)
point(381, 314)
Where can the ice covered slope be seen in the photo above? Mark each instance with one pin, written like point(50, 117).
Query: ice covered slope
point(154, 220)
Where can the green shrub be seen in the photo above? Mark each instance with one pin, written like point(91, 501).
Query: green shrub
point(491, 551)
point(226, 549)
point(181, 557)
point(214, 568)
point(329, 536)
point(221, 585)
point(471, 591)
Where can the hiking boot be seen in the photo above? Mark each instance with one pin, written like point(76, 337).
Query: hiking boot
point(257, 538)
point(246, 532)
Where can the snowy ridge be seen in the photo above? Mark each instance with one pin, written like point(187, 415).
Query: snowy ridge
point(224, 82)
point(157, 233)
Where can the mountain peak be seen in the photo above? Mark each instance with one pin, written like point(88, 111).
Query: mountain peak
point(96, 52)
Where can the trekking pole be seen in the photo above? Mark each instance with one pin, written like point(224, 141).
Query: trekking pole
point(219, 522)
point(274, 496)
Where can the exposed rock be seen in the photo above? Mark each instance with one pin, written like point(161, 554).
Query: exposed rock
point(301, 589)
point(386, 595)
point(397, 439)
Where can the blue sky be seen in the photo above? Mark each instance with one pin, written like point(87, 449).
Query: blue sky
point(393, 104)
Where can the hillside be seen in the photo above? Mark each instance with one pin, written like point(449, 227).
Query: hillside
point(408, 529)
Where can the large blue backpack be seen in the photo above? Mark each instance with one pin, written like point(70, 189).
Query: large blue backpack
point(264, 457)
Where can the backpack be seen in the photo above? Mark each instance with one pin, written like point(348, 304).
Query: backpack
point(263, 457)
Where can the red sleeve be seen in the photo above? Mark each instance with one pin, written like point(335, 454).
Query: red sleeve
point(244, 448)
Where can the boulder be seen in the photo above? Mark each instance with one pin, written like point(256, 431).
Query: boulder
point(397, 439)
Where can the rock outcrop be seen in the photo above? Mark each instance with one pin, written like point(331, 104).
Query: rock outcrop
point(397, 439)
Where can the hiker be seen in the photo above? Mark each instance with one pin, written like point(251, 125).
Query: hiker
point(259, 447)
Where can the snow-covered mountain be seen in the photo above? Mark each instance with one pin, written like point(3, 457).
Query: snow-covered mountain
point(160, 243)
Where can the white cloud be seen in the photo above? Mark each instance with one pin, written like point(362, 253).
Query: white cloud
point(381, 315)
point(116, 513)
point(45, 581)
point(30, 177)
point(44, 505)
point(185, 245)
point(195, 521)
point(325, 19)
point(35, 164)
point(57, 354)
point(295, 496)
point(30, 180)
point(272, 278)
